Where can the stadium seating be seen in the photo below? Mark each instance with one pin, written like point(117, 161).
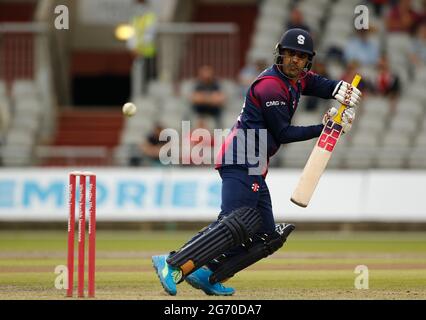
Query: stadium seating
point(359, 157)
point(295, 155)
point(386, 134)
point(389, 157)
point(3, 91)
point(26, 106)
point(417, 157)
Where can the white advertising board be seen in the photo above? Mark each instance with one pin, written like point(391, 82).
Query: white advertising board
point(142, 194)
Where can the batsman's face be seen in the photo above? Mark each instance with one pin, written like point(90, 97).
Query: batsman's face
point(294, 62)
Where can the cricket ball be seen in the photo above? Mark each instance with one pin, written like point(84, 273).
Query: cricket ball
point(129, 109)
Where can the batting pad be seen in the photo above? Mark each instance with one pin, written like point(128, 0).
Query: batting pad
point(232, 230)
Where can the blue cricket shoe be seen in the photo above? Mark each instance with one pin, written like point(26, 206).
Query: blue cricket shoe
point(168, 275)
point(199, 279)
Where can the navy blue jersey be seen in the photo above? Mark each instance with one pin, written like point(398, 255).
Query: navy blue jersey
point(270, 104)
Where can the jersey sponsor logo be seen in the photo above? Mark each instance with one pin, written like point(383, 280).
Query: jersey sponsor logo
point(275, 103)
point(272, 103)
point(300, 39)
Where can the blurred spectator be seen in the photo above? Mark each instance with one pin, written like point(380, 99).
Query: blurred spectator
point(402, 17)
point(421, 14)
point(362, 49)
point(249, 73)
point(204, 145)
point(378, 6)
point(149, 150)
point(418, 49)
point(207, 97)
point(351, 70)
point(4, 121)
point(143, 47)
point(387, 82)
point(296, 20)
point(335, 53)
point(320, 68)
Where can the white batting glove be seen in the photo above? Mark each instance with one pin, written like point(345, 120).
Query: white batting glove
point(348, 115)
point(347, 94)
point(329, 115)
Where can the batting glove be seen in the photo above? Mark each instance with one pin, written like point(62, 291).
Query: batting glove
point(348, 115)
point(329, 115)
point(347, 94)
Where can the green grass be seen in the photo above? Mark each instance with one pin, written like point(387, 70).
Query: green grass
point(312, 265)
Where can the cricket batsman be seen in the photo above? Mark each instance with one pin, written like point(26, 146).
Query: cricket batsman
point(245, 231)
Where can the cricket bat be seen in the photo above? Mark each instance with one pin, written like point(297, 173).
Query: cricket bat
point(320, 156)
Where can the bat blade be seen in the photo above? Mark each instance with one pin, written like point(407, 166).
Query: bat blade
point(316, 164)
point(319, 158)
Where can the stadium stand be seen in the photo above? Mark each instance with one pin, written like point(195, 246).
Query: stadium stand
point(386, 133)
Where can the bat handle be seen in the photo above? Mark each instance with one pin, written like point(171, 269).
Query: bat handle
point(355, 82)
